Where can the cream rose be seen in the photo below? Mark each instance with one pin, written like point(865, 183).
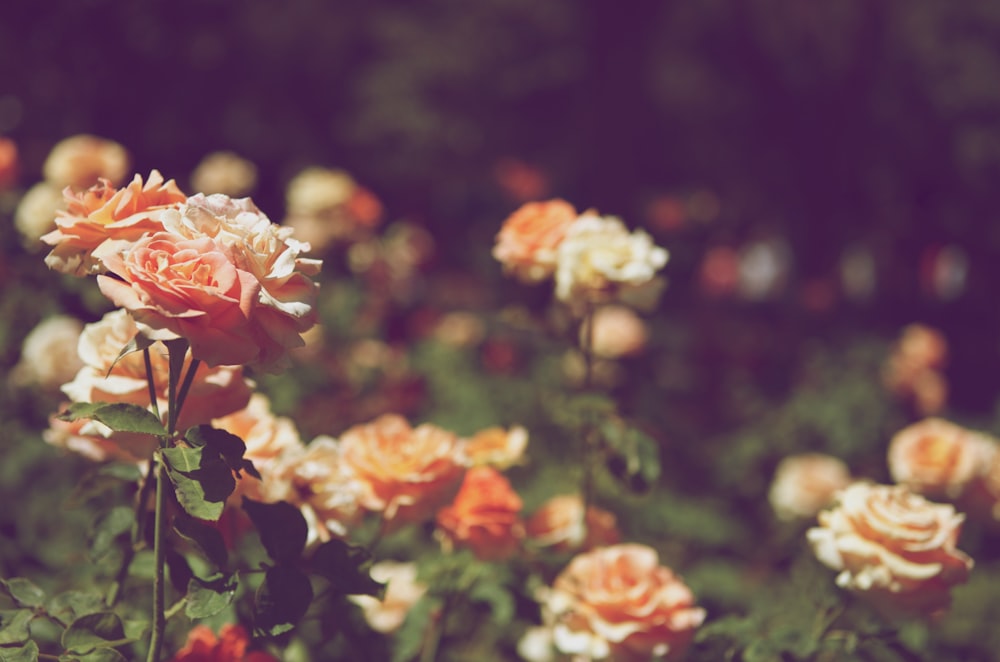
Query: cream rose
point(560, 524)
point(619, 603)
point(48, 353)
point(938, 458)
point(224, 172)
point(618, 331)
point(80, 161)
point(35, 215)
point(403, 590)
point(527, 242)
point(892, 546)
point(805, 484)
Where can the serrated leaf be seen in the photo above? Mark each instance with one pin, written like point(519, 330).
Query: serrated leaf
point(100, 630)
point(119, 416)
point(347, 568)
point(281, 601)
point(24, 591)
point(202, 480)
point(108, 528)
point(206, 538)
point(208, 597)
point(14, 625)
point(282, 528)
point(138, 343)
point(69, 606)
point(25, 653)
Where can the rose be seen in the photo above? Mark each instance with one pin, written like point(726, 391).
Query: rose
point(36, 212)
point(230, 646)
point(559, 523)
point(913, 369)
point(484, 517)
point(805, 484)
point(186, 288)
point(48, 353)
point(80, 161)
point(325, 206)
point(617, 332)
point(407, 473)
point(599, 257)
point(102, 219)
point(497, 447)
point(938, 458)
point(893, 547)
point(224, 172)
point(401, 593)
point(527, 241)
point(9, 163)
point(619, 603)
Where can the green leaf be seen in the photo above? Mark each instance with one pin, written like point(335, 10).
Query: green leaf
point(108, 528)
point(227, 444)
point(119, 416)
point(202, 480)
point(14, 625)
point(71, 605)
point(410, 638)
point(281, 601)
point(138, 343)
point(498, 598)
point(100, 630)
point(208, 597)
point(282, 528)
point(98, 655)
point(347, 568)
point(206, 538)
point(24, 591)
point(178, 569)
point(26, 653)
point(637, 455)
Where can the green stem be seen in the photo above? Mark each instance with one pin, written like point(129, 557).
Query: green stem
point(154, 401)
point(432, 643)
point(590, 439)
point(159, 594)
point(175, 408)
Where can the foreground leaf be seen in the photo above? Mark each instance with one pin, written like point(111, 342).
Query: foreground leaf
point(202, 480)
point(281, 601)
point(24, 591)
point(208, 597)
point(119, 416)
point(26, 653)
point(14, 625)
point(282, 528)
point(347, 568)
point(101, 630)
point(206, 538)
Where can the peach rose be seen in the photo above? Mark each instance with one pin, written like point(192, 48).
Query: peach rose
point(599, 257)
point(80, 161)
point(106, 378)
point(485, 516)
point(224, 172)
point(619, 603)
point(892, 546)
point(35, 215)
point(527, 241)
point(913, 370)
point(559, 524)
point(230, 646)
point(325, 206)
point(103, 219)
point(401, 593)
point(407, 473)
point(497, 447)
point(617, 332)
point(48, 353)
point(186, 288)
point(938, 458)
point(805, 484)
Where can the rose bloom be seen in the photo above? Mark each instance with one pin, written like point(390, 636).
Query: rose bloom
point(407, 473)
point(484, 517)
point(48, 353)
point(224, 172)
point(893, 547)
point(325, 206)
point(617, 332)
point(103, 219)
point(599, 256)
point(401, 593)
point(80, 161)
point(559, 524)
point(104, 377)
point(805, 484)
point(527, 242)
point(36, 213)
point(619, 603)
point(9, 163)
point(913, 369)
point(230, 646)
point(283, 306)
point(497, 447)
point(938, 458)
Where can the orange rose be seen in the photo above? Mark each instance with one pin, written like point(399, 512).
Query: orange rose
point(407, 473)
point(80, 161)
point(175, 287)
point(619, 603)
point(484, 515)
point(559, 524)
point(497, 447)
point(526, 244)
point(892, 546)
point(9, 163)
point(230, 646)
point(98, 219)
point(805, 484)
point(938, 458)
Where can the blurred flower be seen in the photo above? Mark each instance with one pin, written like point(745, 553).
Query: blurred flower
point(719, 274)
point(35, 215)
point(224, 172)
point(521, 181)
point(858, 272)
point(667, 213)
point(497, 447)
point(937, 458)
point(401, 593)
point(230, 646)
point(460, 329)
point(617, 332)
point(943, 271)
point(484, 516)
point(80, 161)
point(914, 369)
point(764, 267)
point(48, 354)
point(325, 206)
point(528, 240)
point(9, 163)
point(537, 645)
point(893, 547)
point(407, 473)
point(805, 484)
point(559, 524)
point(599, 256)
point(619, 603)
